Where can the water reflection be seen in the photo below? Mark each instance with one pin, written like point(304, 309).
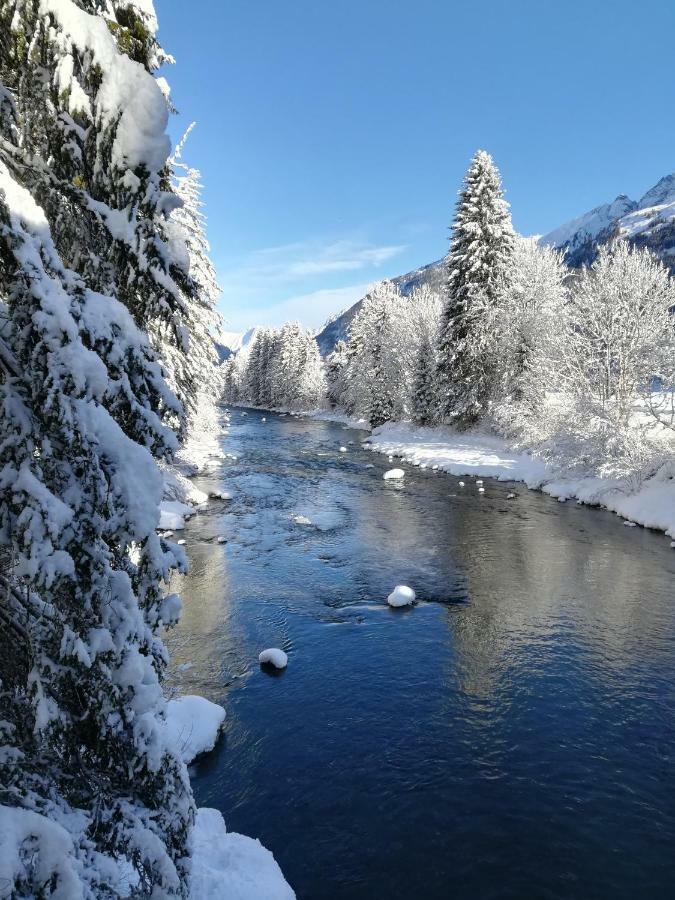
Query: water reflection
point(509, 737)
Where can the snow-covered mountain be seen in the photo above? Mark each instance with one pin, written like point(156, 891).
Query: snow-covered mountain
point(230, 342)
point(648, 222)
point(336, 328)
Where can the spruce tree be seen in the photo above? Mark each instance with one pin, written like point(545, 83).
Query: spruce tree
point(478, 264)
point(424, 385)
point(87, 268)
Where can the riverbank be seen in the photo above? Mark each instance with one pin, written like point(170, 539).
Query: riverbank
point(478, 454)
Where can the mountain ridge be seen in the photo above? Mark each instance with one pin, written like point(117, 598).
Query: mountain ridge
point(648, 222)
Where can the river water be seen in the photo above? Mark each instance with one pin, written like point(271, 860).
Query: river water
point(511, 736)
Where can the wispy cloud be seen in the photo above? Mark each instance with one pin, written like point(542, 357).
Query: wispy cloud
point(303, 280)
point(300, 260)
point(312, 309)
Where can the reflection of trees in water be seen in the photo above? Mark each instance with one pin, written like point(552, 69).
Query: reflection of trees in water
point(560, 580)
point(208, 635)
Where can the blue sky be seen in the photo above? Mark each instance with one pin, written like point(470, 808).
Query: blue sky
point(333, 137)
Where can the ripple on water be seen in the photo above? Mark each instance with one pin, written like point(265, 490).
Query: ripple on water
point(510, 736)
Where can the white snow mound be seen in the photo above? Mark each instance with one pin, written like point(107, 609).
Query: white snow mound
point(275, 657)
point(401, 596)
point(232, 865)
point(393, 474)
point(194, 724)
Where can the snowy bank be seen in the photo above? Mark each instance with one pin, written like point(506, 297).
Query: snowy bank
point(222, 864)
point(231, 865)
point(173, 513)
point(479, 454)
point(194, 724)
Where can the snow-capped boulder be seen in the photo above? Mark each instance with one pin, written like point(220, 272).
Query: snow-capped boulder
point(194, 724)
point(401, 596)
point(273, 657)
point(394, 474)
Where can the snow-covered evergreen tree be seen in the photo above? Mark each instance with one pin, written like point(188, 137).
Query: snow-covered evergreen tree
point(336, 366)
point(479, 262)
point(424, 384)
point(376, 372)
point(194, 370)
point(88, 264)
point(281, 369)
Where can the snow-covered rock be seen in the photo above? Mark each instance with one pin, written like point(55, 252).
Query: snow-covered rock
point(194, 724)
point(220, 495)
point(173, 513)
point(302, 520)
point(401, 596)
point(343, 449)
point(221, 539)
point(274, 657)
point(228, 866)
point(393, 474)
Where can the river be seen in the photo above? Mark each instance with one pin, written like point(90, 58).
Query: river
point(511, 736)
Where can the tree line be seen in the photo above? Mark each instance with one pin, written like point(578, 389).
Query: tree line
point(578, 365)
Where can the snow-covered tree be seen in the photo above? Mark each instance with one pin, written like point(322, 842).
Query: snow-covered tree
point(479, 262)
point(531, 335)
point(95, 792)
point(336, 365)
point(193, 369)
point(377, 358)
point(281, 369)
point(420, 324)
point(620, 342)
point(623, 328)
point(424, 386)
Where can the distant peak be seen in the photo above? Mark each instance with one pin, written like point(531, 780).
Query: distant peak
point(663, 190)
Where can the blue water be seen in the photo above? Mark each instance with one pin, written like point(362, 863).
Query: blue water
point(510, 737)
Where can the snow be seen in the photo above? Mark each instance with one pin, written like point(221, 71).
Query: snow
point(343, 449)
point(173, 513)
point(589, 225)
point(274, 657)
point(220, 495)
point(228, 865)
point(401, 596)
point(193, 724)
point(128, 94)
point(393, 474)
point(302, 520)
point(23, 831)
point(652, 504)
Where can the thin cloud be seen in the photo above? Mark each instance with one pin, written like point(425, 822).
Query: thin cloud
point(311, 309)
point(296, 261)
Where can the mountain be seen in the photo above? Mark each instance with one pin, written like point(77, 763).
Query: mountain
point(230, 342)
point(648, 222)
point(336, 329)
